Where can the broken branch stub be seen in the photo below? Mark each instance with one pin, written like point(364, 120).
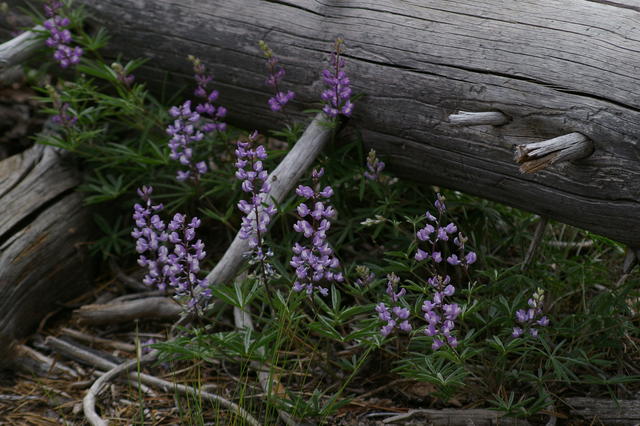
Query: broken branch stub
point(465, 118)
point(536, 156)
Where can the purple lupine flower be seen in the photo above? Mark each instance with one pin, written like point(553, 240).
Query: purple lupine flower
point(184, 132)
point(170, 252)
point(190, 126)
point(257, 211)
point(374, 166)
point(122, 75)
point(63, 118)
point(276, 74)
point(365, 276)
point(435, 231)
point(441, 316)
point(59, 36)
point(315, 264)
point(209, 113)
point(398, 316)
point(531, 317)
point(337, 98)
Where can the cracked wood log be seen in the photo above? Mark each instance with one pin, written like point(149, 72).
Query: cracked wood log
point(552, 67)
point(43, 229)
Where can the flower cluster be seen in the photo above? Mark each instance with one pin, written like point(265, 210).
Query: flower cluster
point(183, 133)
point(365, 276)
point(170, 252)
point(257, 212)
point(337, 97)
point(532, 316)
point(63, 117)
point(316, 262)
point(439, 315)
point(398, 316)
point(374, 166)
point(433, 232)
point(59, 36)
point(276, 74)
point(189, 126)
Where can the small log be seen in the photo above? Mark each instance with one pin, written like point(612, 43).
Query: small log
point(162, 308)
point(43, 231)
point(605, 411)
point(536, 156)
point(19, 49)
point(87, 338)
point(491, 118)
point(32, 361)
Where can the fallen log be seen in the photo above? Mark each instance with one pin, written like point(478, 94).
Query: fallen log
point(43, 234)
point(551, 70)
point(605, 411)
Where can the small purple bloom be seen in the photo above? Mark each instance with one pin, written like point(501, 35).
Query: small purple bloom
point(276, 73)
point(60, 37)
point(532, 316)
point(374, 166)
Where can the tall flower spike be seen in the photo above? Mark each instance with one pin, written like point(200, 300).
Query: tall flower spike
point(337, 97)
point(59, 36)
point(315, 263)
point(257, 212)
point(531, 317)
point(275, 76)
point(397, 316)
point(190, 126)
point(374, 166)
point(441, 316)
point(170, 252)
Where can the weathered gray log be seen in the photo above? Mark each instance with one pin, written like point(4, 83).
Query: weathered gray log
point(552, 68)
point(605, 411)
point(43, 234)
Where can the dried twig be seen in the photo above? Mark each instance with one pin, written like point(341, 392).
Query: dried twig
point(537, 237)
point(103, 364)
point(17, 50)
point(84, 337)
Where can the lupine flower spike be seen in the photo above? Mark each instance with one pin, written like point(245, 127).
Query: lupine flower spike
point(257, 212)
point(315, 263)
point(276, 74)
point(121, 73)
point(532, 317)
point(337, 97)
point(374, 166)
point(397, 316)
point(190, 126)
point(441, 316)
point(59, 36)
point(170, 252)
point(63, 117)
point(434, 231)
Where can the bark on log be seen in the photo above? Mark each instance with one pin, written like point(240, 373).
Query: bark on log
point(43, 227)
point(552, 67)
point(605, 411)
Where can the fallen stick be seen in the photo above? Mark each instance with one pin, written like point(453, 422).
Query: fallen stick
point(32, 361)
point(152, 307)
point(96, 361)
point(84, 337)
point(17, 50)
point(456, 417)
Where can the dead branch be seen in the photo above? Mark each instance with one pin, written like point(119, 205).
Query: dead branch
point(153, 307)
point(17, 50)
point(84, 337)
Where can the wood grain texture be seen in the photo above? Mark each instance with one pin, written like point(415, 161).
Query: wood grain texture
point(43, 229)
point(553, 66)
